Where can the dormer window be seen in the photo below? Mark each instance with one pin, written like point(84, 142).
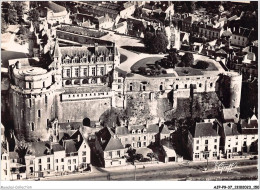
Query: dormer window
point(98, 59)
point(133, 131)
point(107, 58)
point(139, 131)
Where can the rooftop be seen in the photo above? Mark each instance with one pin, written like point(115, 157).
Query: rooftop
point(230, 129)
point(204, 130)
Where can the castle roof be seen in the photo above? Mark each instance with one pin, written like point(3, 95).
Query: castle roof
point(70, 146)
point(39, 149)
point(57, 147)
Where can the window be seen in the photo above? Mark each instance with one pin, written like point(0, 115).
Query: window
point(206, 148)
point(31, 161)
point(131, 87)
point(177, 86)
point(30, 85)
point(84, 159)
point(74, 161)
point(32, 126)
point(85, 72)
point(185, 86)
point(102, 71)
point(46, 99)
point(40, 168)
point(39, 113)
point(39, 161)
point(215, 154)
point(84, 153)
point(139, 138)
point(236, 143)
point(215, 146)
point(93, 71)
point(144, 143)
point(62, 167)
point(198, 141)
point(76, 72)
point(236, 137)
point(22, 114)
point(216, 140)
point(48, 159)
point(253, 137)
point(119, 86)
point(200, 85)
point(56, 160)
point(206, 141)
point(211, 84)
point(118, 153)
point(69, 168)
point(197, 148)
point(62, 160)
point(197, 155)
point(144, 137)
point(110, 154)
point(68, 72)
point(133, 138)
point(48, 166)
point(57, 168)
point(30, 103)
point(69, 161)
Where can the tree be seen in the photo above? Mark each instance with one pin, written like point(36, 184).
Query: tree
point(138, 12)
point(20, 7)
point(159, 43)
point(4, 25)
point(21, 148)
point(187, 59)
point(148, 37)
point(12, 16)
point(34, 16)
point(173, 58)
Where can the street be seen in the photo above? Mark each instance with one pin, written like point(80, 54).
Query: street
point(193, 171)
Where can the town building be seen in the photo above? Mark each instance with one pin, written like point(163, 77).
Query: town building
point(203, 143)
point(168, 152)
point(231, 140)
point(209, 31)
point(109, 149)
point(240, 37)
point(53, 13)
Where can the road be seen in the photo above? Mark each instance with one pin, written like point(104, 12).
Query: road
point(174, 172)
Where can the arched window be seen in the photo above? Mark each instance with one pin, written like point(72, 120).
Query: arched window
point(177, 86)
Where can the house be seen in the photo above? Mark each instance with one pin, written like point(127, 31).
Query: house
point(39, 159)
point(230, 115)
point(240, 37)
point(17, 166)
point(249, 131)
point(137, 136)
point(5, 164)
point(168, 152)
point(209, 31)
point(109, 148)
point(231, 140)
point(54, 13)
point(203, 141)
point(187, 23)
point(164, 132)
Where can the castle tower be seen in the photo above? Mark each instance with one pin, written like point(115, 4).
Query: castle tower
point(32, 99)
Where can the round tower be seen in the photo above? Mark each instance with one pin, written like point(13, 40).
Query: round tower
point(233, 83)
point(32, 99)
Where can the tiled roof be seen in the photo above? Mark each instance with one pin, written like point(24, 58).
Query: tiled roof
point(204, 130)
point(230, 129)
point(243, 32)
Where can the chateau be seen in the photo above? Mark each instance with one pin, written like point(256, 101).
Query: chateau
point(76, 83)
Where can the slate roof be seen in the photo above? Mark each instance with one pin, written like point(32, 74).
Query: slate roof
point(13, 155)
point(164, 130)
point(243, 32)
point(204, 130)
point(54, 7)
point(250, 126)
point(230, 129)
point(70, 146)
point(39, 148)
point(57, 147)
point(107, 140)
point(229, 114)
point(121, 131)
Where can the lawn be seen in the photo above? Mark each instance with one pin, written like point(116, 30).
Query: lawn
point(145, 62)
